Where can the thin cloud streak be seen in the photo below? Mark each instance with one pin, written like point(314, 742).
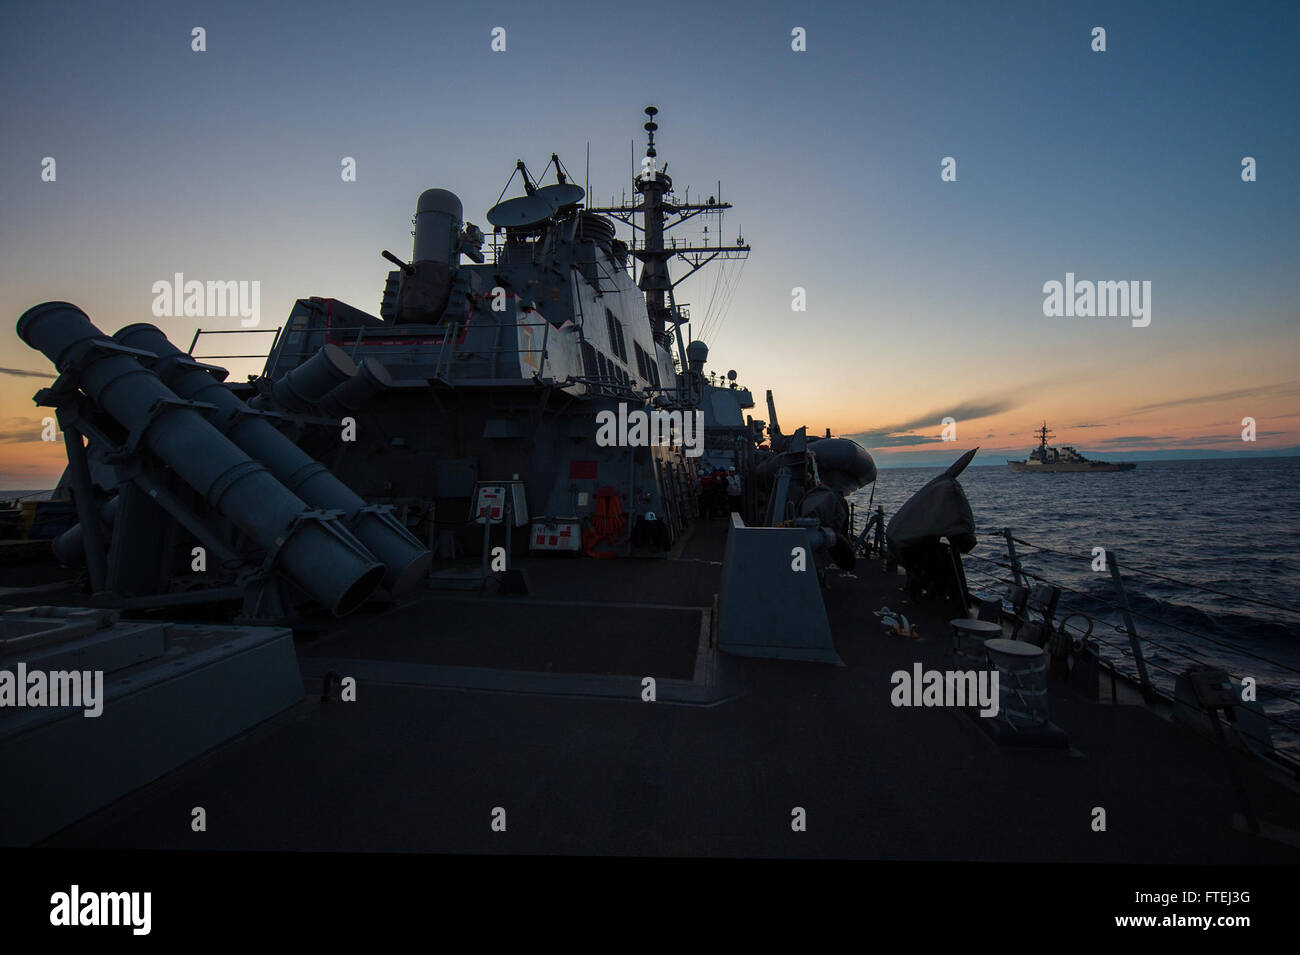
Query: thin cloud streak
point(1279, 389)
point(898, 435)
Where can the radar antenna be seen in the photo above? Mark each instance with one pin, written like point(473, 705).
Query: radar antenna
point(660, 211)
point(1043, 435)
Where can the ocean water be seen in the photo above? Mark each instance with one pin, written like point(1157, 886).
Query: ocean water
point(1207, 551)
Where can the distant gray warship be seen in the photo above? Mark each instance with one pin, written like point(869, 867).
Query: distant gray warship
point(1062, 460)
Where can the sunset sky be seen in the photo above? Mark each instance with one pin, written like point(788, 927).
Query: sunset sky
point(924, 297)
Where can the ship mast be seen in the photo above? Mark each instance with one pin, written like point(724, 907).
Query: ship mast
point(660, 212)
point(1044, 434)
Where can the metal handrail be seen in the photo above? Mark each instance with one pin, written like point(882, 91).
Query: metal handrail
point(448, 338)
point(1191, 633)
point(1119, 629)
point(1176, 651)
point(1152, 573)
point(200, 332)
point(1124, 651)
point(1012, 562)
point(1129, 630)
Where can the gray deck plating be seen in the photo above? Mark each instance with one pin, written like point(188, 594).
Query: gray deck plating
point(712, 682)
point(422, 758)
point(158, 714)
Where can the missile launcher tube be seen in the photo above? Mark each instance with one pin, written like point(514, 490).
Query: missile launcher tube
point(405, 560)
point(315, 552)
point(354, 394)
point(301, 388)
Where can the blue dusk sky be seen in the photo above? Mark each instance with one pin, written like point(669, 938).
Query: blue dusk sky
point(924, 297)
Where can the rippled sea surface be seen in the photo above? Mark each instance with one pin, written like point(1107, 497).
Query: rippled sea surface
point(1179, 532)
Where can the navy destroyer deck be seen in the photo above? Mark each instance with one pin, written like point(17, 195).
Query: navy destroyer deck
point(533, 704)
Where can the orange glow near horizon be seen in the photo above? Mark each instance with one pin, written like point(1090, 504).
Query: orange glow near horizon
point(1147, 391)
point(27, 462)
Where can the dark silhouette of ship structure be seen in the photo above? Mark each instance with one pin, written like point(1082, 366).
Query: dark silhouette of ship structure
point(1045, 459)
point(395, 588)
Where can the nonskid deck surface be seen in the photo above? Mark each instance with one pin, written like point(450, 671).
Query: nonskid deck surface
point(524, 635)
point(581, 765)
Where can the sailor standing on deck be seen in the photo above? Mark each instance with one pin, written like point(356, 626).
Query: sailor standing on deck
point(713, 493)
point(733, 490)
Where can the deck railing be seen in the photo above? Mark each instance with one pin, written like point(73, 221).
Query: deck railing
point(351, 338)
point(1133, 644)
point(1129, 650)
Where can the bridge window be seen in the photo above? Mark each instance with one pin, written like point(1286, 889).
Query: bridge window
point(616, 343)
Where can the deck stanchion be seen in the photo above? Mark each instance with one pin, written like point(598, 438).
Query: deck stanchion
point(1134, 643)
point(84, 500)
point(1011, 552)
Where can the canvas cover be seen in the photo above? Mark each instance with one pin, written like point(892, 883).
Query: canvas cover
point(939, 509)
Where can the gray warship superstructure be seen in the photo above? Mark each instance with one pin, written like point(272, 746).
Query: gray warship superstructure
point(513, 385)
point(497, 373)
point(367, 587)
point(1063, 460)
point(548, 390)
point(374, 449)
